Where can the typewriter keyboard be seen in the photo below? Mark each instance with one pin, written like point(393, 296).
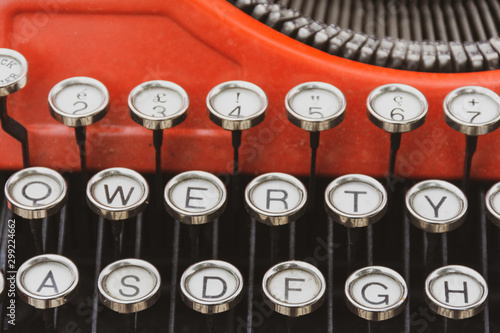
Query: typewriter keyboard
point(159, 274)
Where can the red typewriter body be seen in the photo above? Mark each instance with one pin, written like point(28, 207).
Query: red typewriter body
point(199, 44)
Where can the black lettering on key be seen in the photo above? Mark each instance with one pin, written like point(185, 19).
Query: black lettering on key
point(118, 190)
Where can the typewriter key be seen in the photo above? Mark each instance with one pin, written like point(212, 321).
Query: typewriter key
point(129, 285)
point(117, 193)
point(397, 108)
point(47, 281)
point(355, 200)
point(13, 71)
point(2, 286)
point(493, 204)
point(236, 105)
point(158, 104)
point(436, 206)
point(35, 193)
point(376, 293)
point(315, 106)
point(195, 197)
point(211, 286)
point(13, 77)
point(275, 198)
point(456, 292)
point(472, 110)
point(78, 101)
point(294, 288)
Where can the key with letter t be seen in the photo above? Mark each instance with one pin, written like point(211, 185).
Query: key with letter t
point(356, 201)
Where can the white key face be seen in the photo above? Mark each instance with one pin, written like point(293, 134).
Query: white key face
point(2, 283)
point(36, 190)
point(495, 202)
point(294, 286)
point(376, 291)
point(10, 69)
point(237, 103)
point(475, 108)
point(437, 204)
point(398, 106)
point(195, 195)
point(212, 284)
point(158, 102)
point(128, 283)
point(48, 278)
point(79, 99)
point(457, 290)
point(276, 196)
point(118, 191)
point(316, 103)
point(357, 198)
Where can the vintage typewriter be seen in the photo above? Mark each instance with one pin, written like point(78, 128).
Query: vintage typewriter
point(402, 92)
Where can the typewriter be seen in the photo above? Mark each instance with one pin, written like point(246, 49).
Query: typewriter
point(301, 166)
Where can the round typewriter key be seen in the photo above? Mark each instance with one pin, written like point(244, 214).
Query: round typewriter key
point(472, 110)
point(47, 281)
point(78, 101)
point(158, 104)
point(315, 106)
point(236, 105)
point(117, 193)
point(436, 206)
point(397, 108)
point(493, 204)
point(456, 292)
point(2, 286)
point(195, 197)
point(275, 198)
point(13, 77)
point(211, 286)
point(13, 71)
point(376, 293)
point(294, 288)
point(129, 285)
point(35, 193)
point(355, 200)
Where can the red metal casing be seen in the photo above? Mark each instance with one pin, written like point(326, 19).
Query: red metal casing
point(199, 44)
